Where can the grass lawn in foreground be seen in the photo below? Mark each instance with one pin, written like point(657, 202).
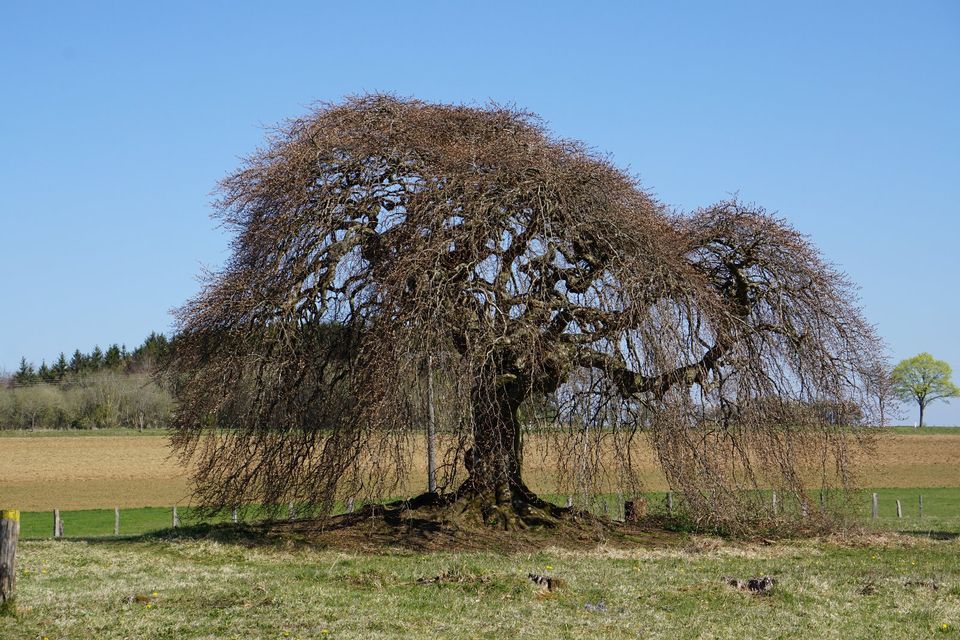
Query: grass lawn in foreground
point(203, 589)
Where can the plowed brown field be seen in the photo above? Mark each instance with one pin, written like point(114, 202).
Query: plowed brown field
point(71, 472)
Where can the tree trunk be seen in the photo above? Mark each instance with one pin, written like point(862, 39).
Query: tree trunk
point(921, 415)
point(495, 487)
point(494, 462)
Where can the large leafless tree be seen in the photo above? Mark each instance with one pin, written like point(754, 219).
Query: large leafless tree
point(553, 292)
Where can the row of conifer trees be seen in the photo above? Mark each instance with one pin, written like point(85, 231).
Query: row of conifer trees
point(96, 390)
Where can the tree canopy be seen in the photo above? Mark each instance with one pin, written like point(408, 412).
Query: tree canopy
point(923, 379)
point(555, 293)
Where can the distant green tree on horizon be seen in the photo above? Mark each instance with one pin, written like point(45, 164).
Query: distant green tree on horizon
point(923, 379)
point(143, 359)
point(102, 389)
point(60, 367)
point(76, 362)
point(25, 374)
point(113, 357)
point(96, 358)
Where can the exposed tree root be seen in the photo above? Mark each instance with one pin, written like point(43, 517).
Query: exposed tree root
point(514, 511)
point(441, 522)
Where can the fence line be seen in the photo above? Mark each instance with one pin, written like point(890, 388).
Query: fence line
point(618, 510)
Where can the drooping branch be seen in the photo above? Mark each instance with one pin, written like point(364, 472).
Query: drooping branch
point(554, 293)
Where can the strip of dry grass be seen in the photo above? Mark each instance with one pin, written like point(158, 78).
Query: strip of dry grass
point(65, 472)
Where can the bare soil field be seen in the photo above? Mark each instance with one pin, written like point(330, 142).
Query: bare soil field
point(70, 472)
point(77, 473)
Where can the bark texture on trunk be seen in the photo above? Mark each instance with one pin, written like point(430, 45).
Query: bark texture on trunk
point(495, 483)
point(494, 462)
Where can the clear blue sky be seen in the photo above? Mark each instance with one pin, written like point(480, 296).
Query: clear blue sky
point(117, 119)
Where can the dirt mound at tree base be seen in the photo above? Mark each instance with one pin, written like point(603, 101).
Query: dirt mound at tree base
point(419, 534)
point(434, 524)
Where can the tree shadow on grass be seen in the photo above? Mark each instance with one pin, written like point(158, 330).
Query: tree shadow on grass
point(377, 530)
point(932, 535)
point(227, 533)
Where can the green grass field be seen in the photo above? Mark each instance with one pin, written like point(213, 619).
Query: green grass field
point(941, 515)
point(163, 589)
point(941, 510)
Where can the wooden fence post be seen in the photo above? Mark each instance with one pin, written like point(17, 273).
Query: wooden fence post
point(569, 502)
point(9, 533)
point(774, 502)
point(291, 512)
point(350, 505)
point(920, 505)
point(116, 521)
point(875, 511)
point(233, 515)
point(899, 511)
point(670, 502)
point(57, 524)
point(634, 510)
point(175, 518)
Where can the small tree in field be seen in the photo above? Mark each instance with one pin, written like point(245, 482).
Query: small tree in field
point(923, 379)
point(553, 293)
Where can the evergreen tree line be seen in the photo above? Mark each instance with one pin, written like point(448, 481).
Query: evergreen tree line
point(95, 390)
point(116, 358)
